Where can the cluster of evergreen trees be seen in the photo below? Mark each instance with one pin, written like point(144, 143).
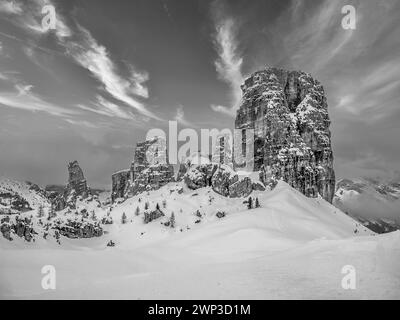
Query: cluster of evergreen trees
point(250, 203)
point(150, 216)
point(51, 213)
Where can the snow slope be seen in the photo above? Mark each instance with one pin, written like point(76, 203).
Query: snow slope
point(26, 190)
point(291, 247)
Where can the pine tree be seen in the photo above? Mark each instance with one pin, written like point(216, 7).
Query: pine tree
point(93, 216)
point(250, 203)
point(172, 220)
point(146, 206)
point(257, 203)
point(157, 206)
point(51, 213)
point(123, 218)
point(137, 211)
point(40, 213)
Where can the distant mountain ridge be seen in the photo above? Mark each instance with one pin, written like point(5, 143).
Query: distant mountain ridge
point(373, 202)
point(16, 196)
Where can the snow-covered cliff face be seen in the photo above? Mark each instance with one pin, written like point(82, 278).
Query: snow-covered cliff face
point(76, 187)
point(199, 172)
point(289, 114)
point(18, 196)
point(28, 212)
point(76, 180)
point(143, 176)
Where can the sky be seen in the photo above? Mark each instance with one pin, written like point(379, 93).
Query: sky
point(91, 88)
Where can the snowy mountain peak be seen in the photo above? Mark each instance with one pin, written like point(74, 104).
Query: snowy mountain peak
point(373, 202)
point(16, 196)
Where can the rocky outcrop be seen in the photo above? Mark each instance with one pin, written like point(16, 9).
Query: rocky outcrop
point(240, 187)
point(120, 183)
point(23, 227)
point(5, 228)
point(20, 227)
point(150, 178)
point(149, 170)
point(76, 181)
point(220, 177)
point(199, 176)
point(76, 187)
point(38, 190)
point(13, 202)
point(152, 215)
point(83, 228)
point(258, 186)
point(226, 182)
point(181, 172)
point(289, 114)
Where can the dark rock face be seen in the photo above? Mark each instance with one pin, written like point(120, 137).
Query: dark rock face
point(20, 227)
point(76, 180)
point(151, 178)
point(120, 183)
point(76, 187)
point(221, 178)
point(110, 243)
point(17, 203)
point(144, 175)
point(181, 172)
point(240, 188)
point(23, 228)
point(78, 229)
point(153, 215)
point(227, 183)
point(221, 181)
point(289, 114)
point(221, 214)
point(5, 228)
point(199, 176)
point(258, 186)
point(154, 174)
point(37, 189)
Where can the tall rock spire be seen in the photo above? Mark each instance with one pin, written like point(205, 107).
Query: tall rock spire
point(289, 114)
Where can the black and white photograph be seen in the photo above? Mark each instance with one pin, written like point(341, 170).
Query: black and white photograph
point(219, 150)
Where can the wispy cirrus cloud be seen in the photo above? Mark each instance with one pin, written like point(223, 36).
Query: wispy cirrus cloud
point(313, 35)
point(84, 123)
point(224, 110)
point(24, 89)
point(86, 51)
point(137, 81)
point(229, 62)
point(180, 117)
point(24, 98)
point(89, 54)
point(10, 7)
point(29, 15)
point(106, 108)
